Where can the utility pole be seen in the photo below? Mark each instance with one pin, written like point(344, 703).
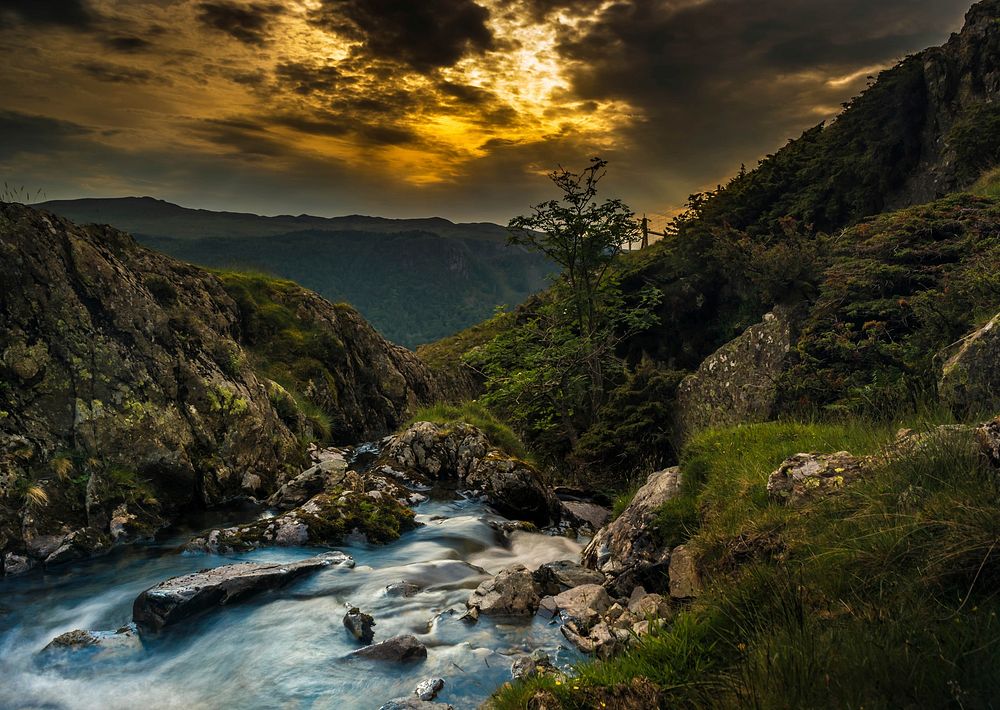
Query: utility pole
point(646, 231)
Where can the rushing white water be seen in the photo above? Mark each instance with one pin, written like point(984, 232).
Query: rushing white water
point(284, 649)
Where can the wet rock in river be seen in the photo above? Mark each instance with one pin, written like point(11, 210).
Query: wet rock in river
point(360, 625)
point(429, 689)
point(181, 597)
point(557, 577)
point(398, 648)
point(513, 592)
point(414, 704)
point(401, 589)
point(93, 646)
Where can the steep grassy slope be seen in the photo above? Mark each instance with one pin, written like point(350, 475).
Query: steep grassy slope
point(415, 280)
point(881, 597)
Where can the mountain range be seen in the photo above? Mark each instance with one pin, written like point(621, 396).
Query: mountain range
point(416, 280)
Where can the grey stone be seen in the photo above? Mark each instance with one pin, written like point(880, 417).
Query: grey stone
point(556, 577)
point(970, 379)
point(513, 592)
point(181, 597)
point(685, 582)
point(737, 383)
point(429, 689)
point(398, 648)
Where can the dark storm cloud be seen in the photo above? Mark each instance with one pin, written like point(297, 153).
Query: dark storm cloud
point(249, 24)
point(27, 133)
point(66, 13)
point(128, 44)
point(721, 81)
point(116, 73)
point(424, 35)
point(304, 78)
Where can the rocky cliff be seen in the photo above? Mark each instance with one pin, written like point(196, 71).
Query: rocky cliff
point(133, 386)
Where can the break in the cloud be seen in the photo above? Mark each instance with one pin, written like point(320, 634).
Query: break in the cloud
point(451, 107)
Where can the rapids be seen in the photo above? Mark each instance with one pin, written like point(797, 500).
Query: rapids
point(284, 649)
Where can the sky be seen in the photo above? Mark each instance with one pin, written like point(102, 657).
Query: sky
point(454, 108)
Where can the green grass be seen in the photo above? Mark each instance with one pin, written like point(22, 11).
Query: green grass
point(883, 596)
point(988, 185)
point(293, 351)
point(499, 434)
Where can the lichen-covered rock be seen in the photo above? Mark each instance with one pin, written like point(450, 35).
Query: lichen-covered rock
point(399, 649)
point(626, 549)
point(737, 383)
point(805, 476)
point(414, 704)
point(513, 592)
point(179, 598)
point(514, 489)
point(970, 379)
point(436, 451)
point(326, 519)
point(137, 373)
point(325, 474)
point(586, 514)
point(685, 582)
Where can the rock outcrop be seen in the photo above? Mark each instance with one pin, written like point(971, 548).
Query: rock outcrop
point(122, 367)
point(970, 379)
point(462, 453)
point(181, 597)
point(626, 549)
point(737, 384)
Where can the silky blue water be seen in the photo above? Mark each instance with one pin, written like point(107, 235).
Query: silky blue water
point(285, 649)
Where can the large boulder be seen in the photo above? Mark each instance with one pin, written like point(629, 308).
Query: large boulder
point(181, 597)
point(737, 383)
point(437, 451)
point(806, 476)
point(513, 592)
point(970, 379)
point(626, 549)
point(514, 489)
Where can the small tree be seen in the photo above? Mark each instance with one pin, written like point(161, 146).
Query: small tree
point(549, 374)
point(580, 235)
point(583, 237)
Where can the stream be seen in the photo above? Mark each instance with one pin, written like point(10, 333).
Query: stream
point(288, 648)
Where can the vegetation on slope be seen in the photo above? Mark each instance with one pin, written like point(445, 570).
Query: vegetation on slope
point(880, 597)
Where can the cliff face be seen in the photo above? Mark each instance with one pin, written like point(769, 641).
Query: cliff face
point(961, 81)
point(133, 386)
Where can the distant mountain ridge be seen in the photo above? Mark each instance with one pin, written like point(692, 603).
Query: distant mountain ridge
point(415, 280)
point(153, 217)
